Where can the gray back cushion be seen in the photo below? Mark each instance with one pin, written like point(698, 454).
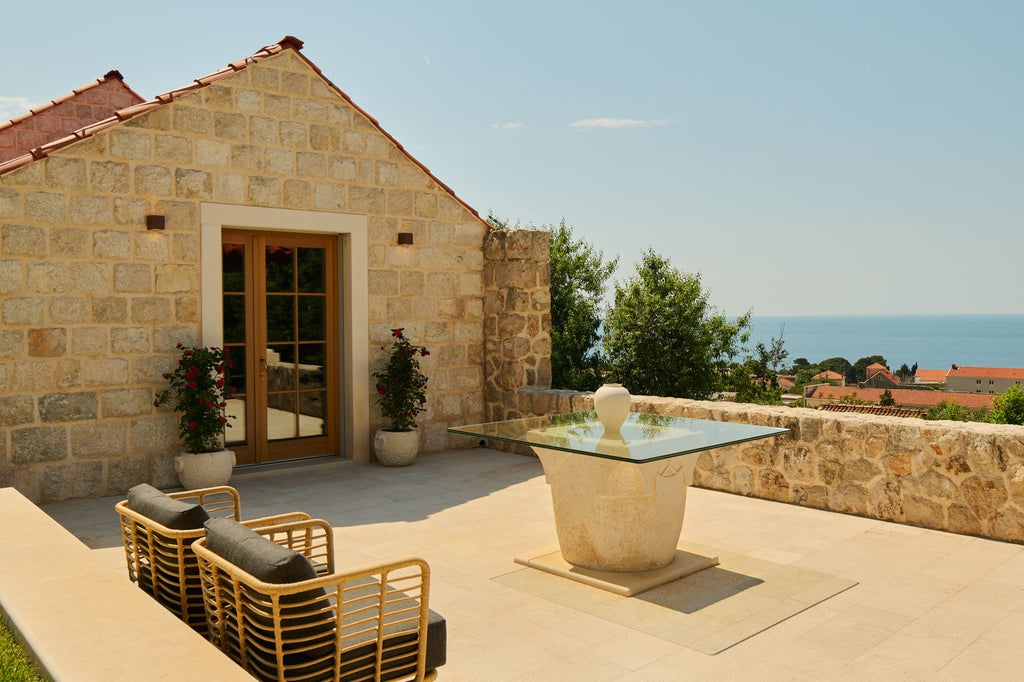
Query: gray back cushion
point(255, 554)
point(165, 510)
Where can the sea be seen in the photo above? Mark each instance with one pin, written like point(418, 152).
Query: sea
point(931, 341)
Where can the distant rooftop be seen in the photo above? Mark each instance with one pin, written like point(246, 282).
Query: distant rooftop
point(60, 117)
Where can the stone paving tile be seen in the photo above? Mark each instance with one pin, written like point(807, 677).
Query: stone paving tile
point(926, 604)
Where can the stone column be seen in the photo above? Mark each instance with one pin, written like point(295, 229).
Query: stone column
point(517, 318)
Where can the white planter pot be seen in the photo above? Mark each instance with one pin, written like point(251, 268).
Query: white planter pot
point(204, 469)
point(611, 402)
point(396, 448)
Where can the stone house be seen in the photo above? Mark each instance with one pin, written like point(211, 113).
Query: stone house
point(257, 208)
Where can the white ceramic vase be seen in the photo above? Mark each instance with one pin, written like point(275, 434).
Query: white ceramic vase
point(611, 402)
point(396, 448)
point(204, 469)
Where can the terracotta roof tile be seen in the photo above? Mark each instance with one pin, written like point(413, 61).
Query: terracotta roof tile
point(54, 120)
point(902, 396)
point(288, 42)
point(1014, 373)
point(931, 375)
point(874, 409)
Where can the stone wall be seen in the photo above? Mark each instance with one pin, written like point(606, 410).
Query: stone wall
point(92, 305)
point(517, 318)
point(959, 477)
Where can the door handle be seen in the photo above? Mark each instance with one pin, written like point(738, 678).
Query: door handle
point(263, 368)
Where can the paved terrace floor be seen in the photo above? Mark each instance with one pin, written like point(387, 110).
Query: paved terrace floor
point(910, 604)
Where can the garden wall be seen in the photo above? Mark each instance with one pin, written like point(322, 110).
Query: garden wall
point(952, 476)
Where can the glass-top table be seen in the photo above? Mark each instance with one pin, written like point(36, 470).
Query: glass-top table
point(642, 438)
point(619, 497)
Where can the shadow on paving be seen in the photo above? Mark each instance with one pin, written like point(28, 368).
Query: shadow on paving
point(342, 492)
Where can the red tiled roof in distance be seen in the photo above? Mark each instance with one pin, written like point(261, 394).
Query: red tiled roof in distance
point(286, 43)
point(48, 122)
point(1014, 373)
point(937, 376)
point(903, 396)
point(878, 368)
point(828, 375)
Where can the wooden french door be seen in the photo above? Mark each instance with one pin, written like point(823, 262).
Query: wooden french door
point(280, 331)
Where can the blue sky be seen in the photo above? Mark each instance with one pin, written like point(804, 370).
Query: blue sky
point(804, 157)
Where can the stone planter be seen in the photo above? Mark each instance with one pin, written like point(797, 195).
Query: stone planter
point(204, 469)
point(396, 448)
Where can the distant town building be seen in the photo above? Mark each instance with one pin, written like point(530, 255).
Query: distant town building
point(816, 396)
point(983, 379)
point(878, 375)
point(830, 377)
point(930, 377)
point(785, 381)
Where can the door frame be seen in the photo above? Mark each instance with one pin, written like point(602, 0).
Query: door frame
point(353, 302)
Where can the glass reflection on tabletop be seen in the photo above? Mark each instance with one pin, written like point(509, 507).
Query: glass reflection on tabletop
point(642, 438)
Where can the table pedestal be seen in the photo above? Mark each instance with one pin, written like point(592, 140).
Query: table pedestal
point(616, 518)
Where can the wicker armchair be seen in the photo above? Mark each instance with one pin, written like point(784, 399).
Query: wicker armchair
point(160, 558)
point(283, 613)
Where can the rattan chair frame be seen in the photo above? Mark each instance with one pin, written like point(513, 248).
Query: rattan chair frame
point(372, 623)
point(160, 559)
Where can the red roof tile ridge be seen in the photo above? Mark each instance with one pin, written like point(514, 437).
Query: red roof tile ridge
point(287, 42)
point(113, 74)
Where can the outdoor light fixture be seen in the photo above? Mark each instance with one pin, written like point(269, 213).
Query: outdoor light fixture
point(405, 237)
point(155, 222)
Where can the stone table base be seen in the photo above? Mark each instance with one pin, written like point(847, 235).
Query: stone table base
point(625, 583)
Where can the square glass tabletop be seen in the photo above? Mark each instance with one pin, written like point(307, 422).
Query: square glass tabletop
point(643, 438)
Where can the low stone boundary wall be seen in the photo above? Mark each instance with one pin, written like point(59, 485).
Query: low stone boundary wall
point(962, 477)
point(84, 622)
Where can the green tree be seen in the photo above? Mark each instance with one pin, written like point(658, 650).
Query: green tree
point(904, 373)
point(836, 364)
point(953, 411)
point(886, 399)
point(756, 380)
point(578, 277)
point(1008, 408)
point(663, 338)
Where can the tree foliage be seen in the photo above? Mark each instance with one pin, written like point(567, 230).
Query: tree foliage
point(953, 411)
point(756, 380)
point(663, 338)
point(1008, 408)
point(836, 364)
point(578, 281)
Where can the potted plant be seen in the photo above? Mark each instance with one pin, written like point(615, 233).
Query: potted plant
point(198, 390)
point(401, 393)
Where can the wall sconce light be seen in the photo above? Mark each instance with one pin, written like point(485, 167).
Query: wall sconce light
point(405, 237)
point(155, 222)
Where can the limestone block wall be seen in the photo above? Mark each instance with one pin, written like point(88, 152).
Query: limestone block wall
point(517, 318)
point(92, 305)
point(952, 476)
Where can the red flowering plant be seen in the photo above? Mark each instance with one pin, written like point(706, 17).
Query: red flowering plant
point(401, 386)
point(199, 391)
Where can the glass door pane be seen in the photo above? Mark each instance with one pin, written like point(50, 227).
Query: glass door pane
point(233, 259)
point(296, 332)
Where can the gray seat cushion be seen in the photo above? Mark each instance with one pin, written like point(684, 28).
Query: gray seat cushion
point(272, 563)
point(165, 510)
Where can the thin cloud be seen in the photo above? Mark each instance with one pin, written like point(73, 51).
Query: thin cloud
point(616, 123)
point(509, 125)
point(13, 106)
